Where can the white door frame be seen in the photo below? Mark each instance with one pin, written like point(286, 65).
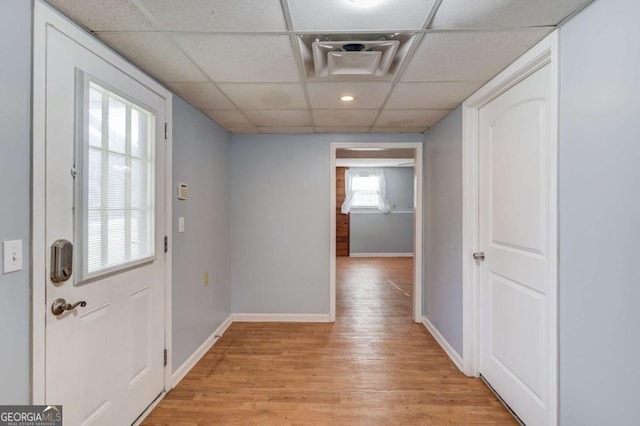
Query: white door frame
point(417, 241)
point(45, 17)
point(545, 52)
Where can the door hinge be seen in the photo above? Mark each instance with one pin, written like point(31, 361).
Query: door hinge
point(165, 357)
point(166, 131)
point(166, 244)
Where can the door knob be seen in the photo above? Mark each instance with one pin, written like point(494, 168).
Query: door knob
point(60, 305)
point(478, 256)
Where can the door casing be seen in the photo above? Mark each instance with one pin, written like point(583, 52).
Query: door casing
point(545, 52)
point(44, 17)
point(418, 237)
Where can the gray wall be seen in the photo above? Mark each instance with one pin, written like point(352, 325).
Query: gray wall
point(280, 220)
point(200, 159)
point(15, 160)
point(442, 291)
point(599, 216)
point(375, 232)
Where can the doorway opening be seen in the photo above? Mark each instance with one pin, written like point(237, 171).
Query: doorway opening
point(376, 220)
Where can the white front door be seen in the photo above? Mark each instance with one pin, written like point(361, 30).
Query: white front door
point(515, 224)
point(104, 194)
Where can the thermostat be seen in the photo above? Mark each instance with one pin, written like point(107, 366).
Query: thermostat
point(183, 191)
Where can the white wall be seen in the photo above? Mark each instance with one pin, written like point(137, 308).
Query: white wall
point(600, 215)
point(280, 189)
point(15, 207)
point(442, 200)
point(200, 159)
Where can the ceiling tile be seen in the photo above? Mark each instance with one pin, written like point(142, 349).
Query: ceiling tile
point(399, 129)
point(342, 129)
point(503, 13)
point(410, 117)
point(432, 95)
point(217, 15)
point(244, 130)
point(265, 96)
point(369, 95)
point(202, 95)
point(285, 130)
point(105, 15)
point(296, 118)
point(359, 15)
point(155, 53)
point(342, 117)
point(242, 58)
point(452, 56)
point(229, 119)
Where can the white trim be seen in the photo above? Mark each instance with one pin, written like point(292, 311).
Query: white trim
point(168, 257)
point(448, 349)
point(418, 218)
point(545, 52)
point(380, 254)
point(332, 236)
point(282, 318)
point(376, 211)
point(45, 16)
point(197, 355)
point(38, 169)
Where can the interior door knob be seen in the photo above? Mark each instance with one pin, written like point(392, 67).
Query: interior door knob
point(478, 256)
point(60, 305)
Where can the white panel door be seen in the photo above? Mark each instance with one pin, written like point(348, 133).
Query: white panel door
point(515, 218)
point(104, 193)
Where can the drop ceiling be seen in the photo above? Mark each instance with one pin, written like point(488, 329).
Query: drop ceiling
point(243, 63)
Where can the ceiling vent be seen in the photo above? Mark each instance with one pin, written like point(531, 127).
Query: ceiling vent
point(368, 56)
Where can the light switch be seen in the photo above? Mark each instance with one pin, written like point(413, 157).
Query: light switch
point(181, 224)
point(12, 251)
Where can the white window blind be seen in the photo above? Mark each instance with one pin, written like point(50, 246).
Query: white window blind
point(118, 195)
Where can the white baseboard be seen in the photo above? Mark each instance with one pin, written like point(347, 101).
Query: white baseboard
point(281, 318)
point(455, 357)
point(186, 366)
point(380, 254)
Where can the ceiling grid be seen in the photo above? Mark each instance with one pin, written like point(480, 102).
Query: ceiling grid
point(242, 63)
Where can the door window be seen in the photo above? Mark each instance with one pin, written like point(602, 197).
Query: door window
point(117, 208)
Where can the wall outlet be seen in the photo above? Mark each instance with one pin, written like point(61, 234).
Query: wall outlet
point(205, 279)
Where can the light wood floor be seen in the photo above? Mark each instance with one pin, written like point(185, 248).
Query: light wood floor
point(374, 366)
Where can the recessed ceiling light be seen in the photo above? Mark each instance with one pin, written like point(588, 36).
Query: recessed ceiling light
point(346, 98)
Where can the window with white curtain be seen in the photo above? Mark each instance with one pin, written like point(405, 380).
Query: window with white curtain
point(117, 211)
point(365, 189)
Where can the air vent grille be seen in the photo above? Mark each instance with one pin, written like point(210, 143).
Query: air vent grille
point(349, 56)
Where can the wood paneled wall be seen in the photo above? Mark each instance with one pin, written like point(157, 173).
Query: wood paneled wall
point(342, 220)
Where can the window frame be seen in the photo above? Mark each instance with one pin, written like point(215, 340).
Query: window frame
point(80, 173)
point(375, 192)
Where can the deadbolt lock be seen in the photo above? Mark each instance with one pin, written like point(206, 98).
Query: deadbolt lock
point(61, 261)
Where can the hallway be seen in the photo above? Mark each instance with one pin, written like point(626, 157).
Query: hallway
point(374, 366)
